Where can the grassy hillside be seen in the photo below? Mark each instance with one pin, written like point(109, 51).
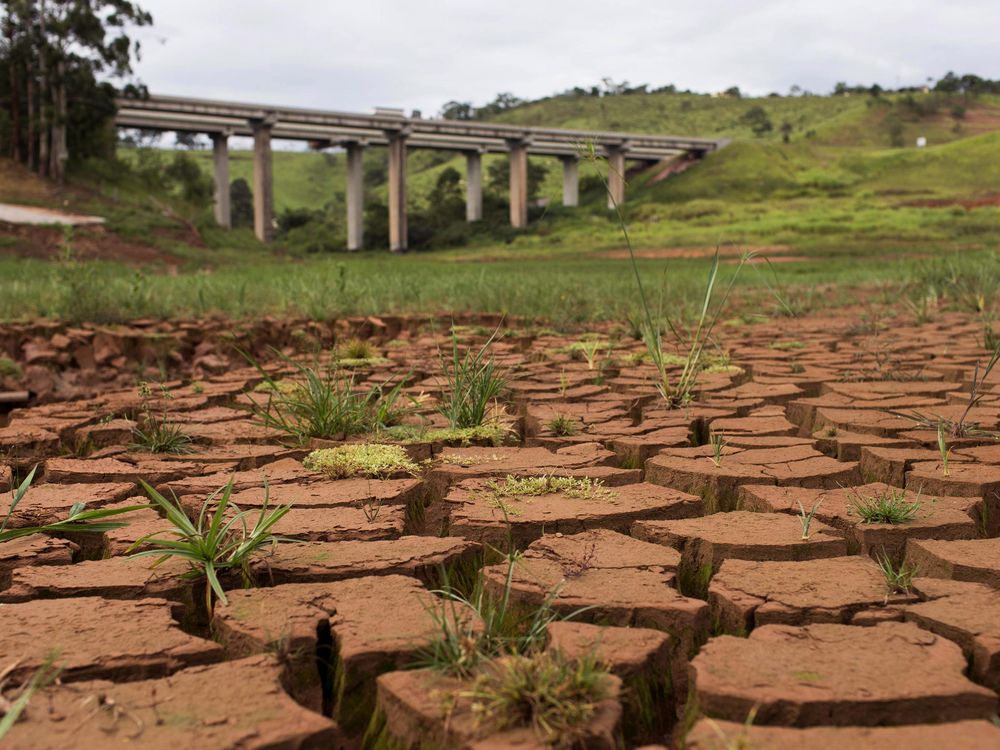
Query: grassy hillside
point(837, 201)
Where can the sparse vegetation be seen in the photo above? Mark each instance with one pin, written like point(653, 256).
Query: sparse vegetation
point(361, 460)
point(718, 442)
point(942, 442)
point(484, 624)
point(222, 538)
point(563, 426)
point(158, 434)
point(806, 518)
point(898, 578)
point(964, 426)
point(474, 383)
point(321, 403)
point(553, 695)
point(889, 506)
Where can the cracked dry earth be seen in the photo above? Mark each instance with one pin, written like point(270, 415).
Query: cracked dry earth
point(721, 625)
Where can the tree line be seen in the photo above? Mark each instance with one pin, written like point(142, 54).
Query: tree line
point(56, 59)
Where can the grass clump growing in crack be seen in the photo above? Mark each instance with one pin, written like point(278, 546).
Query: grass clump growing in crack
point(547, 692)
point(361, 460)
point(474, 383)
point(942, 441)
point(157, 434)
point(806, 518)
point(221, 538)
point(898, 579)
point(324, 404)
point(963, 426)
point(357, 353)
point(889, 506)
point(485, 624)
point(563, 426)
point(718, 443)
point(680, 391)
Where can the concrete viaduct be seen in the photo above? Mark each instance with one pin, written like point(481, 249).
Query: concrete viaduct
point(390, 129)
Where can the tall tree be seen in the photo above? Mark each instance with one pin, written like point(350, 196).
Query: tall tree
point(55, 52)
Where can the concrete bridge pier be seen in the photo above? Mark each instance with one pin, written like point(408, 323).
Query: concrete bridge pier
point(571, 180)
point(220, 173)
point(616, 176)
point(355, 197)
point(473, 186)
point(263, 180)
point(397, 190)
point(518, 184)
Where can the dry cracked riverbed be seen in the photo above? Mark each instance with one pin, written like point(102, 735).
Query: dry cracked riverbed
point(665, 545)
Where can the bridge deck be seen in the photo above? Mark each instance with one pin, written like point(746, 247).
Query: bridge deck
point(337, 128)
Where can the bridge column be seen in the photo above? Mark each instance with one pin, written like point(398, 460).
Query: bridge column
point(397, 191)
point(263, 181)
point(518, 184)
point(355, 197)
point(571, 180)
point(220, 173)
point(473, 186)
point(616, 177)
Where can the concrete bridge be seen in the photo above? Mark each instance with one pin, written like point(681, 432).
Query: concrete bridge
point(390, 129)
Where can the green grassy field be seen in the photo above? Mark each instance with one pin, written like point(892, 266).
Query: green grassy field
point(837, 202)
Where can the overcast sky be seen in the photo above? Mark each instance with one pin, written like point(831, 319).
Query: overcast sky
point(355, 54)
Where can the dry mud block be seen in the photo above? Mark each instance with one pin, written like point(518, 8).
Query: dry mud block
point(890, 465)
point(705, 542)
point(284, 471)
point(620, 581)
point(746, 594)
point(850, 446)
point(974, 560)
point(33, 551)
point(475, 512)
point(114, 578)
point(92, 638)
point(964, 479)
point(839, 675)
point(104, 470)
point(693, 470)
point(329, 494)
point(343, 524)
point(709, 734)
point(313, 562)
point(640, 657)
point(47, 503)
point(237, 704)
point(422, 709)
point(337, 637)
point(969, 615)
point(936, 518)
point(457, 464)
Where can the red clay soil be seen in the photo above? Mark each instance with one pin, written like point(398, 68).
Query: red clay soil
point(799, 677)
point(664, 554)
point(346, 617)
point(710, 734)
point(746, 594)
point(422, 707)
point(234, 704)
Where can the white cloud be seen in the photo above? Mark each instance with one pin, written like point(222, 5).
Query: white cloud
point(352, 55)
